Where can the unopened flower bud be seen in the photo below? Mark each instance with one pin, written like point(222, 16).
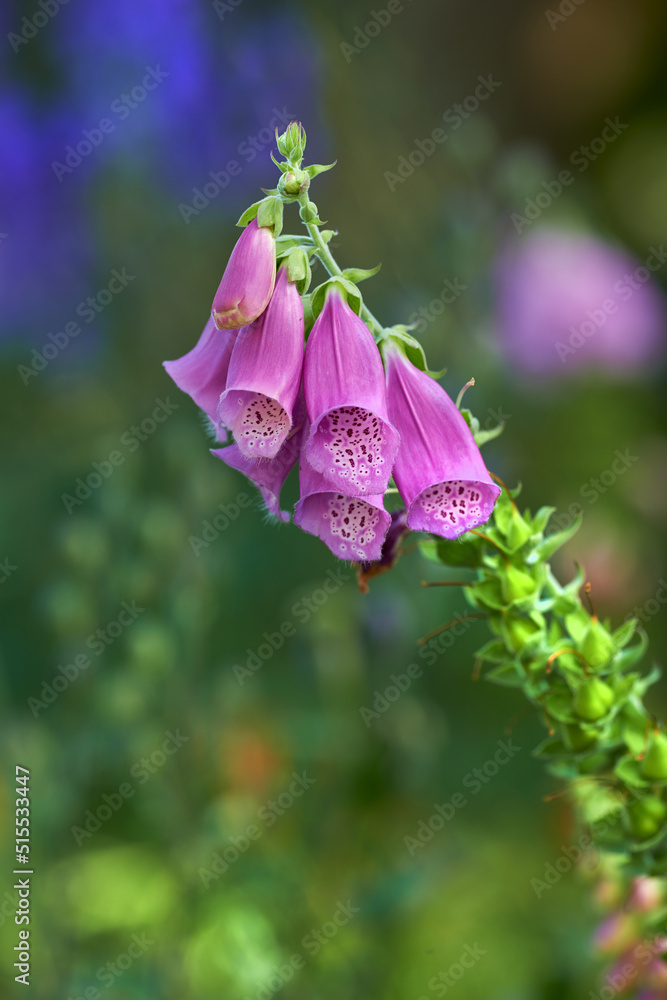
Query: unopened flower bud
point(597, 645)
point(516, 584)
point(654, 764)
point(292, 143)
point(519, 631)
point(579, 739)
point(646, 816)
point(593, 699)
point(294, 182)
point(247, 284)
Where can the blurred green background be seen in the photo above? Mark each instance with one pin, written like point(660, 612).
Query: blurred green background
point(131, 906)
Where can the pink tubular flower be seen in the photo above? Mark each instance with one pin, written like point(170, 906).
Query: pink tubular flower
point(352, 527)
point(247, 284)
point(351, 442)
point(439, 471)
point(202, 372)
point(265, 374)
point(268, 475)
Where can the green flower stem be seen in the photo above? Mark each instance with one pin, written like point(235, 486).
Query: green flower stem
point(329, 262)
point(580, 676)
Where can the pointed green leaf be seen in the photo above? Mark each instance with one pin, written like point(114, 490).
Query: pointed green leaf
point(463, 551)
point(250, 213)
point(349, 290)
point(628, 770)
point(624, 634)
point(541, 519)
point(631, 725)
point(553, 746)
point(507, 675)
point(633, 654)
point(552, 543)
point(654, 675)
point(358, 274)
point(319, 168)
point(283, 167)
point(494, 651)
point(481, 437)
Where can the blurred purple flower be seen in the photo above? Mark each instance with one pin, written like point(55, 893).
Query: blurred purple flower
point(219, 90)
point(45, 245)
point(566, 300)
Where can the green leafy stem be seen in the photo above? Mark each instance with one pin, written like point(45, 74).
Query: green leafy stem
point(578, 673)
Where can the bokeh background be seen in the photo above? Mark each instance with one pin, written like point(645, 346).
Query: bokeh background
point(533, 266)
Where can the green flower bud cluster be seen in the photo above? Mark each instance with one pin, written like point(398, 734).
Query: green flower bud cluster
point(578, 672)
point(293, 187)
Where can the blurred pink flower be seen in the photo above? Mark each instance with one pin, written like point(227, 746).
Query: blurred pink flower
point(566, 300)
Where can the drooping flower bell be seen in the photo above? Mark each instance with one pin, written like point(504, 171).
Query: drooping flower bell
point(247, 284)
point(439, 470)
point(265, 373)
point(202, 372)
point(352, 527)
point(351, 441)
point(269, 474)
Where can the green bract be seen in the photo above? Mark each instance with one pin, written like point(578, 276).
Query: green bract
point(654, 764)
point(593, 699)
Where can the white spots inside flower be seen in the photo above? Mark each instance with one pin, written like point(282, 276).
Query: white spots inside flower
point(353, 522)
point(261, 425)
point(355, 440)
point(454, 506)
